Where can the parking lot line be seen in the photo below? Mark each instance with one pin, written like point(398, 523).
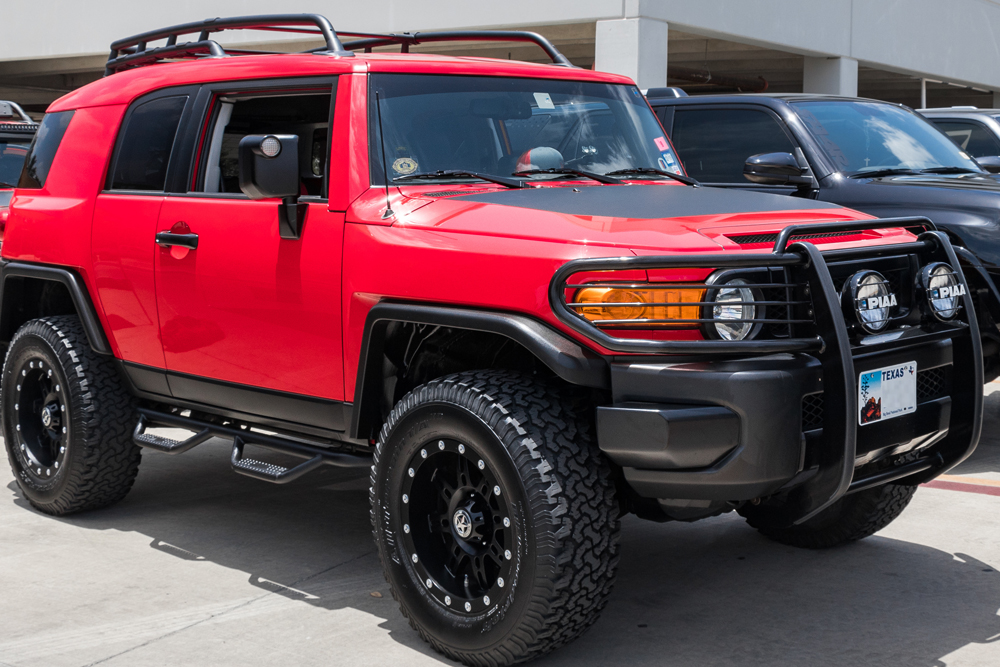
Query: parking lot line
point(985, 487)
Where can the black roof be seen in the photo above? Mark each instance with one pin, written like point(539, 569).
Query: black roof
point(768, 99)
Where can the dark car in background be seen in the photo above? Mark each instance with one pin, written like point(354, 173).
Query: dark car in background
point(877, 157)
point(975, 131)
point(16, 131)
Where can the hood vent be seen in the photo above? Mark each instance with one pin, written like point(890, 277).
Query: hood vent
point(747, 239)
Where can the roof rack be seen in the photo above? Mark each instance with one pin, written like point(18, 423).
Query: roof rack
point(407, 39)
point(135, 51)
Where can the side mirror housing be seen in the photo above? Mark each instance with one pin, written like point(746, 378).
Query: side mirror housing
point(990, 163)
point(776, 169)
point(269, 169)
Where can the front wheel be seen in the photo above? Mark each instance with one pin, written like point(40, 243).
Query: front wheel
point(494, 516)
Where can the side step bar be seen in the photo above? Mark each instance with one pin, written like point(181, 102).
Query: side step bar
point(204, 431)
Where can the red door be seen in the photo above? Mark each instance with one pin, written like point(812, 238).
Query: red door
point(248, 307)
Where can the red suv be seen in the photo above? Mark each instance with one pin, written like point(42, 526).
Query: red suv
point(488, 281)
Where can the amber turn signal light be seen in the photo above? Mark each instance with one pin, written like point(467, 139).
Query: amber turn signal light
point(657, 307)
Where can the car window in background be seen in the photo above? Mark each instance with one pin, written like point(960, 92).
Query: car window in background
point(972, 137)
point(498, 125)
point(714, 144)
point(12, 154)
point(870, 136)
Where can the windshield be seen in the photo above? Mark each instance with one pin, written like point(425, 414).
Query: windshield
point(498, 126)
point(12, 154)
point(867, 136)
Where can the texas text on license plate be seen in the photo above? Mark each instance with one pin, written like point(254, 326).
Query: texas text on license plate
point(887, 392)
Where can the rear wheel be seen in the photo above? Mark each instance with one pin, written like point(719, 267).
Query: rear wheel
point(494, 515)
point(67, 419)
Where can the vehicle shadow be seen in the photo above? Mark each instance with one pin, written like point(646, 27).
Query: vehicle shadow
point(712, 593)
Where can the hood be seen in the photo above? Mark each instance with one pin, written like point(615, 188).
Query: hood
point(973, 182)
point(643, 217)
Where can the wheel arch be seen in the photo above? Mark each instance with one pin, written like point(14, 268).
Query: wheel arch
point(563, 357)
point(29, 291)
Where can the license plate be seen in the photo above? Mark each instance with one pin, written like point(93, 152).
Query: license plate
point(887, 392)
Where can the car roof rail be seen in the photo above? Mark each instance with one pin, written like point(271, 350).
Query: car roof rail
point(8, 108)
point(405, 40)
point(134, 51)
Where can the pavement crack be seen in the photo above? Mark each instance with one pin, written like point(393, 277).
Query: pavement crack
point(220, 613)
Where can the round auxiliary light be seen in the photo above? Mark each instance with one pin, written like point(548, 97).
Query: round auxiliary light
point(943, 290)
point(270, 147)
point(733, 306)
point(869, 292)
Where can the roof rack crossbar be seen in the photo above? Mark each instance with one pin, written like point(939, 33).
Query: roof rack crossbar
point(407, 39)
point(133, 51)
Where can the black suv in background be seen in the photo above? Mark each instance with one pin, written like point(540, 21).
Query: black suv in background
point(975, 131)
point(877, 157)
point(16, 131)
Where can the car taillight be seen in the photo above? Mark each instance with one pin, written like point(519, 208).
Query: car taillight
point(611, 306)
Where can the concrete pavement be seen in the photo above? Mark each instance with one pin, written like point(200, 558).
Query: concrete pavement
point(199, 566)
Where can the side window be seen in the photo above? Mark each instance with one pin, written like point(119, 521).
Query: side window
point(43, 149)
point(306, 114)
point(144, 148)
point(973, 138)
point(714, 144)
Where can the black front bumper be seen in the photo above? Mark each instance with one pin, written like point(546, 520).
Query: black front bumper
point(786, 421)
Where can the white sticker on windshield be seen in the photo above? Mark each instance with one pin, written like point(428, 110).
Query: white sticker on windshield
point(544, 101)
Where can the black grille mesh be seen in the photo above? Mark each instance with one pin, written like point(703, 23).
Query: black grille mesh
point(812, 411)
point(745, 239)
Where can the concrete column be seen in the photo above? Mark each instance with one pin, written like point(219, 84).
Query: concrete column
point(830, 76)
point(634, 47)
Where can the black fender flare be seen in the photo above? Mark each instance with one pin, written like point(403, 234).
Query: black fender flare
point(77, 291)
point(566, 358)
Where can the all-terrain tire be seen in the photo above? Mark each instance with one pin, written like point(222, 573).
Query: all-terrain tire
point(851, 518)
point(537, 439)
point(80, 456)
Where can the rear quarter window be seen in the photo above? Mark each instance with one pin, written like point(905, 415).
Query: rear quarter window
point(43, 149)
point(145, 146)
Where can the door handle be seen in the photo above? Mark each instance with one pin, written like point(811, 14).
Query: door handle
point(168, 239)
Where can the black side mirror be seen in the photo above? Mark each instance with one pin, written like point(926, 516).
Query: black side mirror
point(776, 169)
point(269, 169)
point(990, 163)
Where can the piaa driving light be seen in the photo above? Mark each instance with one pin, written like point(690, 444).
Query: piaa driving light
point(943, 290)
point(650, 307)
point(734, 306)
point(872, 300)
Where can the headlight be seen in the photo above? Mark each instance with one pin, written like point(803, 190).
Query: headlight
point(734, 305)
point(656, 307)
point(943, 290)
point(872, 300)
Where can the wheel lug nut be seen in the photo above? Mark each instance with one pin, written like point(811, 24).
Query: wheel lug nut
point(481, 464)
point(500, 582)
point(48, 471)
point(496, 490)
point(423, 453)
point(486, 599)
point(406, 528)
point(428, 582)
point(506, 554)
point(414, 558)
point(441, 444)
point(468, 606)
point(461, 449)
point(62, 450)
point(56, 464)
point(506, 522)
point(447, 600)
point(410, 472)
point(406, 499)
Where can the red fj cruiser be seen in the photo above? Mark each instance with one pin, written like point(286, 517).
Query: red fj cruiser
point(16, 130)
point(487, 280)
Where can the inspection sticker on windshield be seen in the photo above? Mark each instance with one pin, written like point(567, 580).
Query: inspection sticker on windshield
point(887, 392)
point(544, 101)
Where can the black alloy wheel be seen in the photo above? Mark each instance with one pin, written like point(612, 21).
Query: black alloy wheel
point(456, 526)
point(40, 427)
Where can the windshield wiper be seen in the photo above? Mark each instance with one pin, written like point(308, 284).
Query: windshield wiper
point(875, 173)
point(686, 180)
point(600, 178)
point(461, 173)
point(949, 170)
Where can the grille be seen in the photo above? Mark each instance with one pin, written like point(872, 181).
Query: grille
point(931, 383)
point(746, 239)
point(451, 193)
point(812, 411)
